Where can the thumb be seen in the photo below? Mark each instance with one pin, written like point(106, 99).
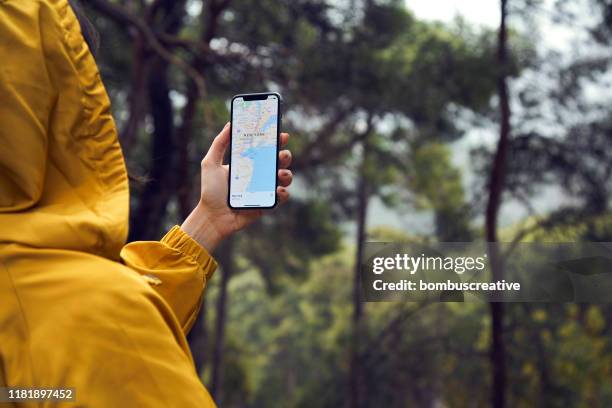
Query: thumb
point(219, 146)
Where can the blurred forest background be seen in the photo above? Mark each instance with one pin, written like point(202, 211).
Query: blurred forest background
point(402, 129)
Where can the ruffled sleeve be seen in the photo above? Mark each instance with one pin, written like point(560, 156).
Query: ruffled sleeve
point(177, 267)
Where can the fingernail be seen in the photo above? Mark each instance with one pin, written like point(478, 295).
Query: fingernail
point(285, 172)
point(226, 125)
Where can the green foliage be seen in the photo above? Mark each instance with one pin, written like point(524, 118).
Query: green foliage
point(301, 232)
point(437, 185)
point(281, 335)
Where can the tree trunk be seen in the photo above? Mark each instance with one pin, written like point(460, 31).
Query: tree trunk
point(183, 176)
point(496, 187)
point(147, 219)
point(356, 381)
point(138, 95)
point(225, 259)
point(198, 339)
point(210, 23)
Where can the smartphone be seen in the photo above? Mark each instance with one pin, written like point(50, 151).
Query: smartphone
point(254, 144)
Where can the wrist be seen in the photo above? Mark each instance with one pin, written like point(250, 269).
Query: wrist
point(199, 226)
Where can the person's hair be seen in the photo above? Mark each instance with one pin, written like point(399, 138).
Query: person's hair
point(90, 34)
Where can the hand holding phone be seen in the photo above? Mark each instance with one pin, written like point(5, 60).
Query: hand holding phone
point(213, 220)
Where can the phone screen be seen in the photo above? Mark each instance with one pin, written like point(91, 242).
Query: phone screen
point(254, 151)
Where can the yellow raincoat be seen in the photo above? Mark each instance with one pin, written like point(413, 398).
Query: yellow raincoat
point(77, 308)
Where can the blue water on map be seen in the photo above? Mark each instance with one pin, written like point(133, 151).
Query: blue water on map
point(269, 123)
point(264, 168)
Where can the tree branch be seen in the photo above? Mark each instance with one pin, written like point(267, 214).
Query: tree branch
point(321, 142)
point(122, 16)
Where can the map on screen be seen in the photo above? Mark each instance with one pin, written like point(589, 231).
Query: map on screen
point(254, 150)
